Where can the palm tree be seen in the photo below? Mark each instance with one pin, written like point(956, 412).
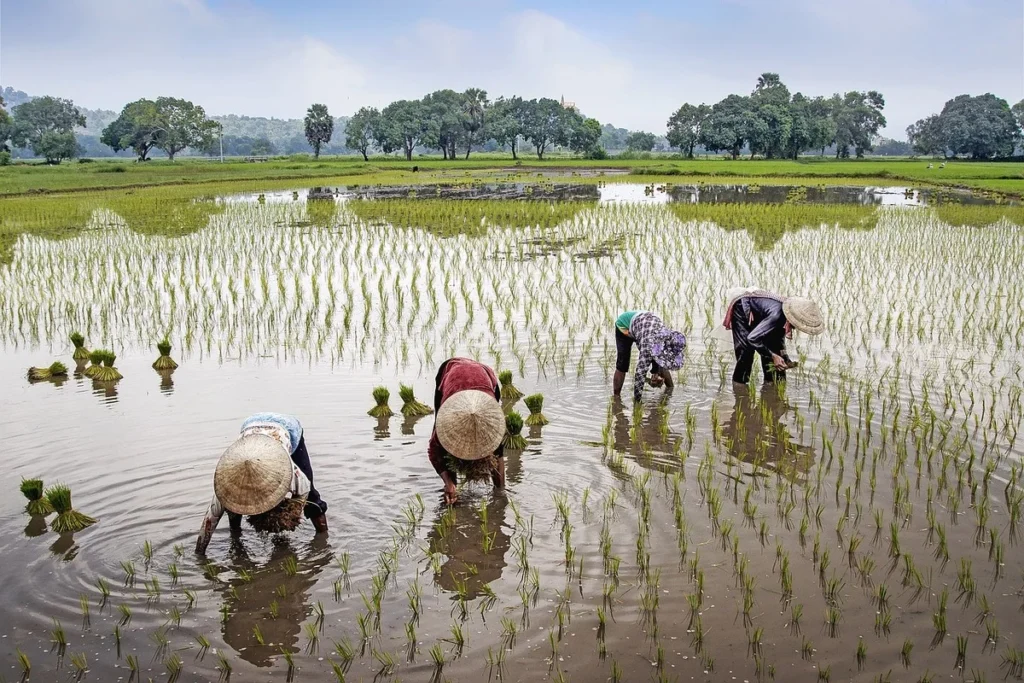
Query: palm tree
point(474, 107)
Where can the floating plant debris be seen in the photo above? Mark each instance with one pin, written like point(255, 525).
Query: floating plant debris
point(54, 371)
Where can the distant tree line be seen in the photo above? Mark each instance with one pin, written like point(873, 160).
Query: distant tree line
point(770, 122)
point(775, 124)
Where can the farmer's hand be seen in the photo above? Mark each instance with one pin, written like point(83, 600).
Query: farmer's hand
point(450, 494)
point(655, 381)
point(780, 363)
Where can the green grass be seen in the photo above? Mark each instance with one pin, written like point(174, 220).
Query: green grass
point(27, 178)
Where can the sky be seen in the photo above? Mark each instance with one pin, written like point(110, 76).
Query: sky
point(630, 63)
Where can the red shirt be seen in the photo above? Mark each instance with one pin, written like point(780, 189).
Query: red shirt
point(454, 375)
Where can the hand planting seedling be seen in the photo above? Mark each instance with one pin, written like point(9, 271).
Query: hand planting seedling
point(68, 520)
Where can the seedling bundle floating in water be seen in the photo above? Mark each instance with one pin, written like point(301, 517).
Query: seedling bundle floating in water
point(535, 402)
point(164, 362)
point(514, 440)
point(37, 503)
point(509, 392)
point(67, 519)
point(381, 395)
point(410, 406)
point(81, 353)
point(55, 370)
point(107, 372)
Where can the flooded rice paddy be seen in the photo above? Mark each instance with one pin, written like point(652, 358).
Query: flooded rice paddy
point(860, 523)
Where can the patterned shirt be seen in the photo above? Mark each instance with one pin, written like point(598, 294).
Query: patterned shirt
point(646, 329)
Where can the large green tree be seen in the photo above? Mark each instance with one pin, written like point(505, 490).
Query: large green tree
point(46, 124)
point(362, 130)
point(858, 117)
point(640, 141)
point(318, 127)
point(443, 119)
point(926, 136)
point(1018, 113)
point(403, 125)
point(185, 125)
point(770, 120)
point(685, 125)
point(727, 129)
point(167, 123)
point(584, 134)
point(507, 122)
point(546, 124)
point(475, 107)
point(981, 127)
point(5, 127)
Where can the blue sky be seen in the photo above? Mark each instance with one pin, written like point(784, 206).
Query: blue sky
point(629, 63)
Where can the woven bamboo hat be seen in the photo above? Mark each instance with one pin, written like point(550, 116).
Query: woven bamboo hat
point(804, 315)
point(470, 424)
point(253, 475)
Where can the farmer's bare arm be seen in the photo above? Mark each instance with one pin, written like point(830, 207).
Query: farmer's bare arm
point(210, 522)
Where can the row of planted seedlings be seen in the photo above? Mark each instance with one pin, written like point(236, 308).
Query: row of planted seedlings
point(525, 293)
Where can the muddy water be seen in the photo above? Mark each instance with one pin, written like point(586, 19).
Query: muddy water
point(139, 456)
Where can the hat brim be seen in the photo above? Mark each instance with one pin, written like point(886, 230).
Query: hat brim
point(470, 424)
point(806, 321)
point(253, 475)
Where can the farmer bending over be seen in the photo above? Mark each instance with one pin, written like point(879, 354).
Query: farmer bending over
point(761, 322)
point(469, 426)
point(661, 350)
point(265, 474)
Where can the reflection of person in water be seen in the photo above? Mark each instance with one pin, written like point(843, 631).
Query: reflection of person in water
point(754, 429)
point(648, 437)
point(270, 588)
point(464, 546)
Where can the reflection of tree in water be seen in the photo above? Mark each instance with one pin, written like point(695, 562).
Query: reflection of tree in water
point(463, 540)
point(755, 432)
point(646, 437)
point(248, 603)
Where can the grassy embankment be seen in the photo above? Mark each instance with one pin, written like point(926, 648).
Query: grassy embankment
point(109, 174)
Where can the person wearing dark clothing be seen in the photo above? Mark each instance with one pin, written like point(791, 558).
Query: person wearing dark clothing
point(470, 423)
point(761, 322)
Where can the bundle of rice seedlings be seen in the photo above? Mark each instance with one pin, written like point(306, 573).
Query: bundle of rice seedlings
point(473, 470)
point(285, 517)
point(410, 406)
point(67, 519)
point(535, 402)
point(96, 358)
point(164, 362)
point(81, 353)
point(37, 504)
point(107, 373)
point(381, 395)
point(509, 392)
point(514, 440)
point(56, 369)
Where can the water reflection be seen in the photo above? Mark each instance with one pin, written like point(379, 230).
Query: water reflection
point(166, 381)
point(645, 436)
point(474, 543)
point(409, 424)
point(36, 526)
point(756, 431)
point(106, 390)
point(383, 429)
point(283, 584)
point(65, 547)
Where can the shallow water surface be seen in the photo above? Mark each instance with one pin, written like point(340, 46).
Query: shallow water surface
point(706, 535)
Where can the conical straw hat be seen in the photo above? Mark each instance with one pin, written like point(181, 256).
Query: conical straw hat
point(470, 424)
point(804, 315)
point(253, 475)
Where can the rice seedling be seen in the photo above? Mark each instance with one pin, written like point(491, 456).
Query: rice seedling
point(204, 646)
point(832, 618)
point(56, 370)
point(159, 637)
point(410, 406)
point(164, 362)
point(68, 520)
point(381, 395)
point(825, 675)
point(535, 402)
point(80, 664)
point(386, 661)
point(80, 353)
point(224, 667)
point(1013, 663)
point(174, 667)
point(126, 614)
point(37, 503)
point(514, 440)
point(961, 653)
